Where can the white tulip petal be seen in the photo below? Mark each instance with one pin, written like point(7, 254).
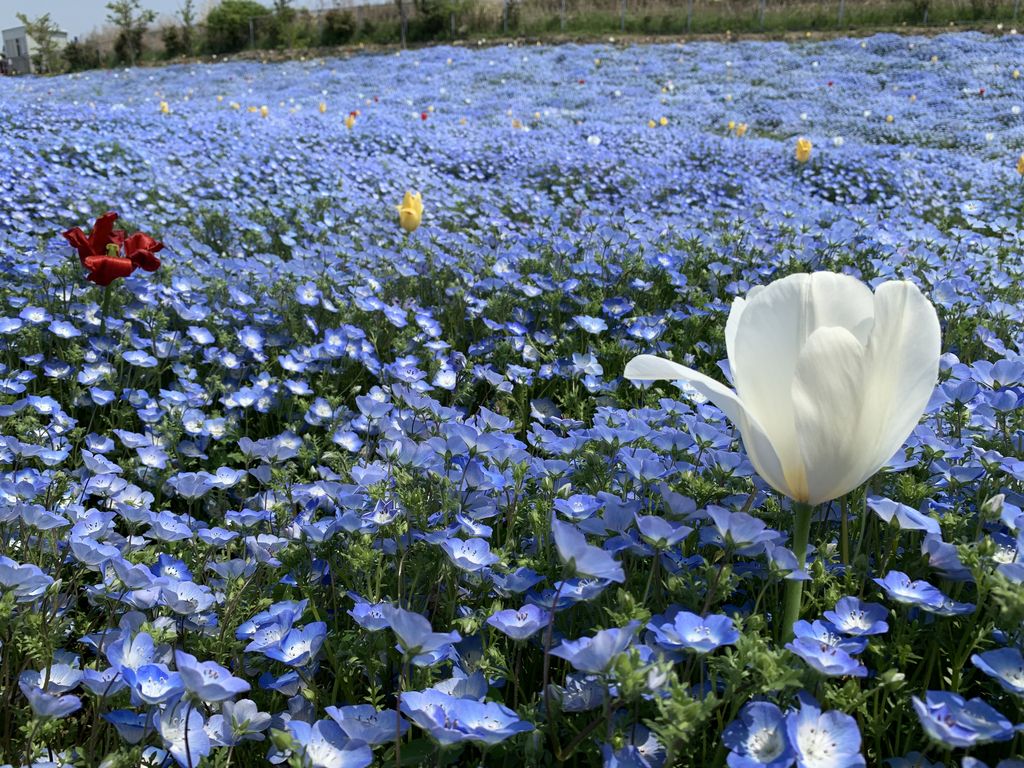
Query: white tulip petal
point(731, 324)
point(772, 329)
point(827, 395)
point(903, 368)
point(759, 448)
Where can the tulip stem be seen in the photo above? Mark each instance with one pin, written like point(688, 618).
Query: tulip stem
point(105, 309)
point(794, 587)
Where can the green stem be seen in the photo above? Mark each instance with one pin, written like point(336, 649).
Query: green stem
point(794, 587)
point(105, 309)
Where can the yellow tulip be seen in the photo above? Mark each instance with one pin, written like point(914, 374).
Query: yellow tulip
point(410, 212)
point(165, 108)
point(1020, 165)
point(323, 107)
point(264, 110)
point(350, 121)
point(1016, 74)
point(741, 130)
point(517, 123)
point(235, 105)
point(889, 118)
point(803, 150)
point(663, 121)
point(651, 123)
point(220, 98)
point(731, 125)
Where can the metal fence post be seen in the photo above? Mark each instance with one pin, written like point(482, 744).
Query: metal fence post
point(1016, 8)
point(563, 16)
point(622, 16)
point(689, 14)
point(842, 11)
point(252, 34)
point(504, 17)
point(760, 16)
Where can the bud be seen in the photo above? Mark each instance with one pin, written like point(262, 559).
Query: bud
point(410, 212)
point(803, 149)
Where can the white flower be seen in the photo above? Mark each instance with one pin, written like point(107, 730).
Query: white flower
point(830, 378)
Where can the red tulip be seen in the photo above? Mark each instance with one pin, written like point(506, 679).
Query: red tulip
point(101, 252)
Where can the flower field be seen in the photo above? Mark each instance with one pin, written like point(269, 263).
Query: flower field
point(323, 451)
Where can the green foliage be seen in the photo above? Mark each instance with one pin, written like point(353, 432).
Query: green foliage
point(227, 25)
point(131, 21)
point(43, 32)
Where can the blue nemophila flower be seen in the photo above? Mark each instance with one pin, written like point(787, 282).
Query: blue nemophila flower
point(690, 632)
point(27, 582)
point(153, 683)
point(758, 738)
point(469, 554)
point(578, 506)
point(181, 725)
point(591, 324)
point(131, 651)
point(585, 559)
point(364, 722)
point(1006, 665)
point(824, 739)
point(131, 726)
point(49, 700)
point(187, 598)
point(207, 680)
point(744, 532)
point(827, 634)
point(906, 518)
point(522, 623)
point(237, 721)
point(901, 588)
point(370, 616)
point(450, 720)
point(299, 645)
point(827, 659)
point(325, 745)
point(597, 654)
point(855, 617)
point(659, 532)
point(414, 633)
point(956, 722)
point(642, 750)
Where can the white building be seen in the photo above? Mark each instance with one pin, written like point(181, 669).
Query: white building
point(19, 47)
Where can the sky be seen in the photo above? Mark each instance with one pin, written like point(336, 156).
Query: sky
point(80, 17)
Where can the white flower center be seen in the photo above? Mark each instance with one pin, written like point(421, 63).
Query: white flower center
point(765, 745)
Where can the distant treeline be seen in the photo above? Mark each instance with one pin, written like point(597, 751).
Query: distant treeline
point(236, 25)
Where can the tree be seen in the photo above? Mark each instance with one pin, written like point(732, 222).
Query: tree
point(282, 26)
point(227, 25)
point(82, 55)
point(43, 32)
point(131, 22)
point(188, 21)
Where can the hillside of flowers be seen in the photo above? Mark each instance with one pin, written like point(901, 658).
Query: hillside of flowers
point(317, 446)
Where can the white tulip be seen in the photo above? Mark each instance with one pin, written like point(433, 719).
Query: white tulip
point(830, 378)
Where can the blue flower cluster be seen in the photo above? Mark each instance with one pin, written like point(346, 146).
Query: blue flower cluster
point(323, 492)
